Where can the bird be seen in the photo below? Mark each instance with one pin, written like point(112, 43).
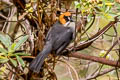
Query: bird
point(57, 39)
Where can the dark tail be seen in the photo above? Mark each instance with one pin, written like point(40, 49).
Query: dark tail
point(36, 64)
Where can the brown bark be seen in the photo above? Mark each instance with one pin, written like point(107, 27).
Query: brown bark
point(95, 59)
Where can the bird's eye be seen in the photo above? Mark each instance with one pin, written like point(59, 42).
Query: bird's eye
point(67, 18)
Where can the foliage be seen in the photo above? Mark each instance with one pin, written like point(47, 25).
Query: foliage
point(97, 7)
point(35, 17)
point(9, 52)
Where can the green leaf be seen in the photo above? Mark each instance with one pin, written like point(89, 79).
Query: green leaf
point(89, 18)
point(19, 59)
point(2, 57)
point(23, 39)
point(4, 60)
point(109, 4)
point(8, 40)
point(2, 50)
point(107, 9)
point(13, 62)
point(104, 7)
point(77, 4)
point(2, 69)
point(3, 54)
point(22, 54)
point(5, 39)
point(109, 17)
point(11, 49)
point(118, 13)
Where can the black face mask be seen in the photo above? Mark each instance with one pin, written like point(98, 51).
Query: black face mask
point(68, 18)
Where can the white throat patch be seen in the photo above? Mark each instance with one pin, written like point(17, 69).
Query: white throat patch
point(72, 25)
point(66, 24)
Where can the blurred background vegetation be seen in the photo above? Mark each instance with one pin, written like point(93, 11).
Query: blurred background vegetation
point(25, 23)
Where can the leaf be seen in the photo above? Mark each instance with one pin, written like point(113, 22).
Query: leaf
point(21, 42)
point(102, 53)
point(109, 17)
point(5, 39)
point(23, 54)
point(8, 40)
point(107, 9)
point(4, 60)
point(118, 13)
point(11, 48)
point(2, 50)
point(77, 4)
point(89, 17)
point(13, 62)
point(1, 54)
point(19, 59)
point(109, 4)
point(2, 57)
point(2, 69)
point(104, 6)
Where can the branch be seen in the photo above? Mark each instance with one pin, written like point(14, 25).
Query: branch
point(100, 74)
point(87, 43)
point(95, 59)
point(7, 2)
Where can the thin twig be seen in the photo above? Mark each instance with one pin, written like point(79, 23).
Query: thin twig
point(7, 2)
point(102, 73)
point(72, 68)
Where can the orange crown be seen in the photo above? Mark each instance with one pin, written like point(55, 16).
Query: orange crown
point(61, 18)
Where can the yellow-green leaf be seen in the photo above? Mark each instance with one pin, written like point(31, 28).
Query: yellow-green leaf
point(4, 60)
point(23, 54)
point(23, 39)
point(19, 59)
point(13, 62)
point(5, 39)
point(2, 50)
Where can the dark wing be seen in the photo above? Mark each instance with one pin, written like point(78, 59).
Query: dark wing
point(54, 33)
point(60, 37)
point(63, 40)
